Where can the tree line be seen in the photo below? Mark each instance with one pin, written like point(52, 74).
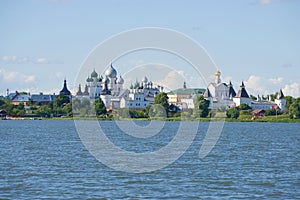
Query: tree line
point(63, 106)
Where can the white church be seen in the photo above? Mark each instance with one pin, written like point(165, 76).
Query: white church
point(112, 92)
point(223, 95)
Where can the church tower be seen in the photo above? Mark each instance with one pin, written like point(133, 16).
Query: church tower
point(218, 77)
point(242, 97)
point(280, 101)
point(65, 90)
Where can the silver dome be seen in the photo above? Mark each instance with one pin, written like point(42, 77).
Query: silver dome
point(111, 72)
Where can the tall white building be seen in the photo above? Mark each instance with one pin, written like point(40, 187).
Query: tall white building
point(220, 94)
point(110, 89)
point(242, 97)
point(280, 101)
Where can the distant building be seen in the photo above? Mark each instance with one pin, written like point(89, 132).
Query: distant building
point(17, 98)
point(3, 114)
point(113, 94)
point(223, 95)
point(42, 99)
point(242, 97)
point(65, 90)
point(176, 96)
point(258, 113)
point(183, 98)
point(220, 94)
point(280, 101)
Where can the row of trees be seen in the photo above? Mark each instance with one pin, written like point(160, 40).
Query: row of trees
point(61, 106)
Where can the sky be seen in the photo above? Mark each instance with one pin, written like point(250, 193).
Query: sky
point(44, 42)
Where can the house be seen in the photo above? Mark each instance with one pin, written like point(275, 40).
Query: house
point(258, 113)
point(135, 100)
point(175, 96)
point(3, 114)
point(19, 98)
point(42, 99)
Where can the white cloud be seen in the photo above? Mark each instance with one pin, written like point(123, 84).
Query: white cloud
point(292, 90)
point(30, 78)
point(16, 81)
point(263, 86)
point(266, 2)
point(276, 80)
point(173, 80)
point(13, 59)
point(42, 61)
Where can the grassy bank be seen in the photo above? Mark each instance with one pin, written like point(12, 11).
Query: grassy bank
point(242, 118)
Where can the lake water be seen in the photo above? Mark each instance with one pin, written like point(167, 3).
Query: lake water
point(46, 159)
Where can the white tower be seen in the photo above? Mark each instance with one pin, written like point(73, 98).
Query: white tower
point(280, 101)
point(218, 75)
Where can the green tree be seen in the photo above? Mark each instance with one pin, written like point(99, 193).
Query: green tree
point(2, 103)
point(61, 100)
point(244, 107)
point(201, 107)
point(295, 110)
point(100, 106)
point(232, 113)
point(67, 110)
point(85, 108)
point(162, 99)
point(43, 111)
point(272, 111)
point(289, 101)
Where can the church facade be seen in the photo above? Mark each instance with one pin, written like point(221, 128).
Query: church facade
point(223, 95)
point(110, 88)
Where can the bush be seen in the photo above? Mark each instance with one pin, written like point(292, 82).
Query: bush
point(232, 113)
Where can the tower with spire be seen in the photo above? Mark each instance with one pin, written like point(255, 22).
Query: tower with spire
point(218, 77)
point(65, 90)
point(242, 96)
point(280, 101)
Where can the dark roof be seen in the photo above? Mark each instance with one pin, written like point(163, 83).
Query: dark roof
point(65, 90)
point(258, 111)
point(242, 92)
point(86, 91)
point(207, 94)
point(232, 93)
point(187, 91)
point(280, 95)
point(79, 93)
point(3, 112)
point(42, 97)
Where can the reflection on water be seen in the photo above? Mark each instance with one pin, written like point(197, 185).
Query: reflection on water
point(46, 159)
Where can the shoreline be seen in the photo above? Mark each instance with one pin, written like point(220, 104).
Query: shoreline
point(266, 119)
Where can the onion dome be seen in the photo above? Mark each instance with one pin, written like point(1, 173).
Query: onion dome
point(120, 80)
point(65, 90)
point(94, 74)
point(111, 72)
point(89, 79)
point(105, 80)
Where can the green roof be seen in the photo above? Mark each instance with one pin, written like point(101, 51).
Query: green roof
point(187, 91)
point(94, 74)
